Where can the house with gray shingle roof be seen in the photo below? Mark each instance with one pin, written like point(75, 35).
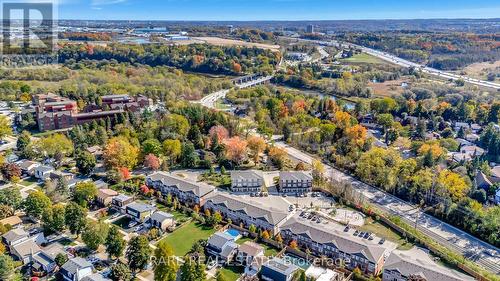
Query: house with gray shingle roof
point(95, 277)
point(402, 264)
point(247, 181)
point(248, 213)
point(15, 236)
point(43, 172)
point(186, 191)
point(333, 241)
point(76, 269)
point(295, 182)
point(25, 250)
point(162, 220)
point(222, 246)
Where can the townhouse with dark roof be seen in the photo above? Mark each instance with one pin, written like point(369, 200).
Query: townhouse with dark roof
point(247, 181)
point(247, 213)
point(416, 262)
point(335, 241)
point(295, 182)
point(187, 191)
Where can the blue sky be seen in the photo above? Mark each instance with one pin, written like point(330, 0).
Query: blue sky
point(276, 9)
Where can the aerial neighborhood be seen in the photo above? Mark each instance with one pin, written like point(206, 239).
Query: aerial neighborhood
point(275, 151)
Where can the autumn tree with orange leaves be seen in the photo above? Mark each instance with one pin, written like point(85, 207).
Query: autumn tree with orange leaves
point(236, 149)
point(220, 132)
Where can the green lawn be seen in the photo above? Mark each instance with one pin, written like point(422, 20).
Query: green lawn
point(363, 58)
point(28, 182)
point(122, 222)
point(231, 273)
point(183, 238)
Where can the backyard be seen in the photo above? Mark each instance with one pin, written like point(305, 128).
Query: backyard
point(182, 239)
point(268, 250)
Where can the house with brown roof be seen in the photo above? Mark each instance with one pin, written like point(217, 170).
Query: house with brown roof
point(248, 251)
point(105, 196)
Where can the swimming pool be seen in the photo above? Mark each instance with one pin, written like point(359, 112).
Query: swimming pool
point(234, 233)
point(298, 261)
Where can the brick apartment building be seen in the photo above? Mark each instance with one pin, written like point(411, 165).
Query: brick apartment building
point(53, 112)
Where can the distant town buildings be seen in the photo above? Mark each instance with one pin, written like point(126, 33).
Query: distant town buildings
point(310, 28)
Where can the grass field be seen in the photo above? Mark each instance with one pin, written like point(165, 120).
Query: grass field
point(183, 238)
point(28, 182)
point(231, 273)
point(363, 58)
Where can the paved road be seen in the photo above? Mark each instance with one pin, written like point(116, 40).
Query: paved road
point(405, 63)
point(209, 100)
point(482, 253)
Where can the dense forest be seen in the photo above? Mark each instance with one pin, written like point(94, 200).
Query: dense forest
point(194, 57)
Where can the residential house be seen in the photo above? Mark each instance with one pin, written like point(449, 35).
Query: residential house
point(56, 175)
point(335, 241)
point(15, 236)
point(25, 250)
point(222, 246)
point(247, 181)
point(278, 270)
point(416, 262)
point(139, 211)
point(295, 182)
point(497, 197)
point(472, 150)
point(472, 137)
point(186, 191)
point(96, 151)
point(105, 196)
point(95, 277)
point(240, 210)
point(162, 220)
point(248, 251)
point(12, 221)
point(44, 262)
point(100, 184)
point(120, 201)
point(76, 269)
point(42, 172)
point(28, 167)
point(461, 125)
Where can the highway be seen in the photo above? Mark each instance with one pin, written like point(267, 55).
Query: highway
point(405, 63)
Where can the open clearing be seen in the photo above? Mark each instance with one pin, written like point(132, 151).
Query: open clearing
point(182, 239)
point(480, 70)
point(232, 42)
point(387, 88)
point(363, 58)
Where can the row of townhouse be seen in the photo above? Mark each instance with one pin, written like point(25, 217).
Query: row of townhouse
point(251, 181)
point(332, 241)
point(189, 192)
point(247, 213)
